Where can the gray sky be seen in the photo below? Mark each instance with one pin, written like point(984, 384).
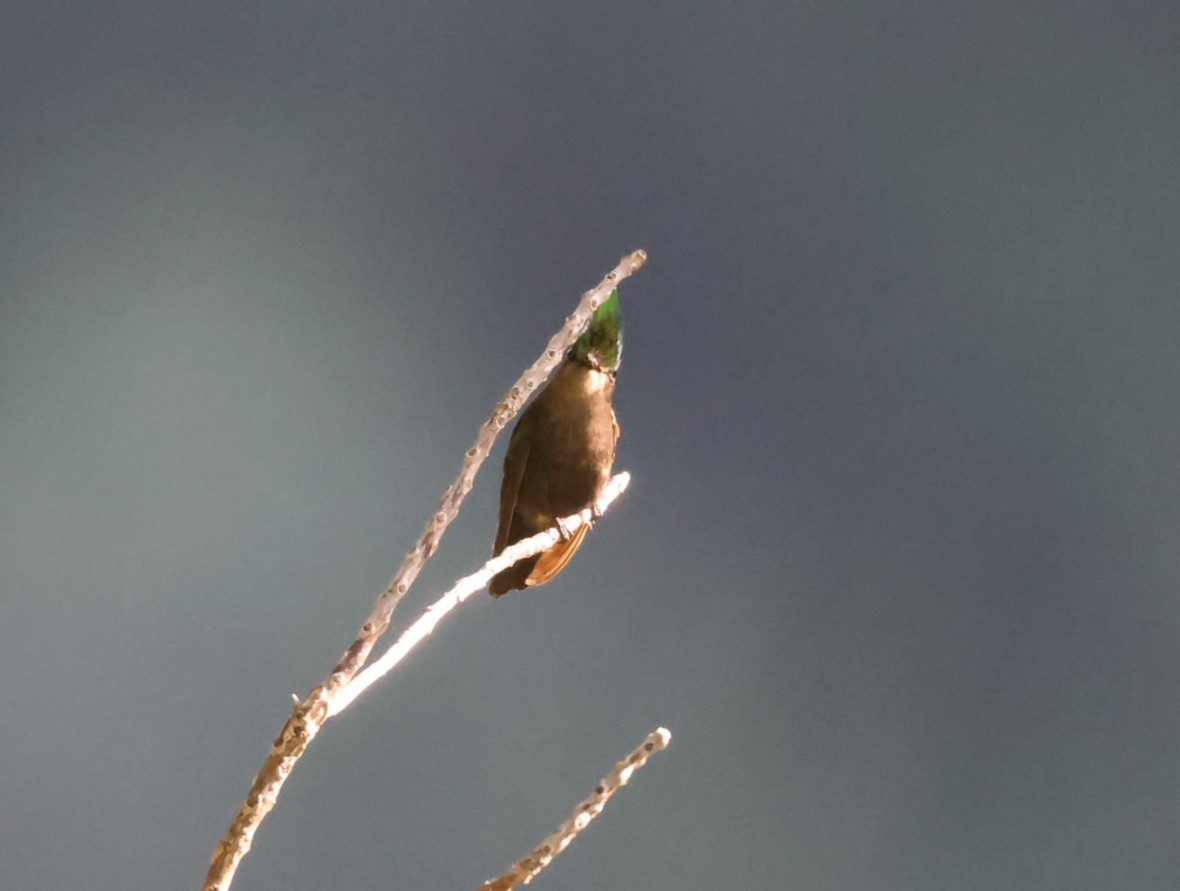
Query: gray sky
point(899, 564)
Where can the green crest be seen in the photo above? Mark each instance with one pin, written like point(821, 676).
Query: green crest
point(601, 346)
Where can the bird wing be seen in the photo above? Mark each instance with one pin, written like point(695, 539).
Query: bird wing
point(514, 465)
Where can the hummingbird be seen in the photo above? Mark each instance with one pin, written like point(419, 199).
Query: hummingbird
point(561, 451)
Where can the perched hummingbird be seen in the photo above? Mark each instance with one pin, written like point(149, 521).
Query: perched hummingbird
point(561, 451)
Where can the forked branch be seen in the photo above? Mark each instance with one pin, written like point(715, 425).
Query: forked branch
point(310, 714)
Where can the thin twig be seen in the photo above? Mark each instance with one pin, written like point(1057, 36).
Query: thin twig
point(527, 869)
point(309, 715)
point(467, 586)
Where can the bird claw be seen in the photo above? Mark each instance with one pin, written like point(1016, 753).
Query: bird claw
point(563, 531)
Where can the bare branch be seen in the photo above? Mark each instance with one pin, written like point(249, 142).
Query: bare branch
point(527, 869)
point(308, 717)
point(467, 586)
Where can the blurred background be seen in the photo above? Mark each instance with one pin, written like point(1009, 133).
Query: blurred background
point(899, 563)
